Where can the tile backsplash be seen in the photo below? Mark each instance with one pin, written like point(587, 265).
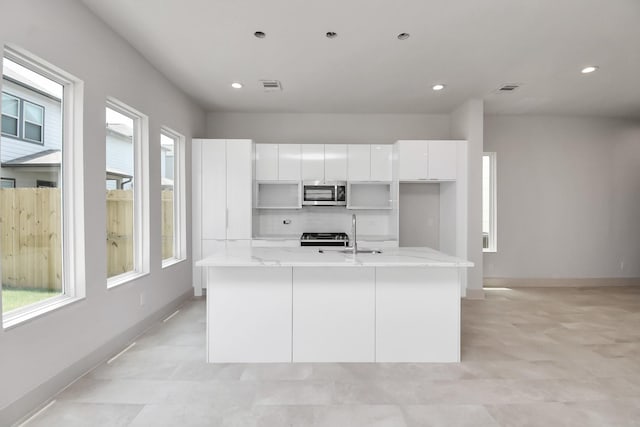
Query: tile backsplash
point(272, 222)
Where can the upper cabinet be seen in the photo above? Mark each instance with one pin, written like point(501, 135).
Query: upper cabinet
point(278, 162)
point(312, 162)
point(359, 162)
point(381, 162)
point(427, 160)
point(289, 162)
point(370, 162)
point(324, 162)
point(266, 162)
point(335, 162)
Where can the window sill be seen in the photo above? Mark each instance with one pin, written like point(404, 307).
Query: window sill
point(172, 261)
point(121, 279)
point(22, 315)
point(490, 250)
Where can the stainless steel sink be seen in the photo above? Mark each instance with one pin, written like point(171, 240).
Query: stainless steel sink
point(350, 251)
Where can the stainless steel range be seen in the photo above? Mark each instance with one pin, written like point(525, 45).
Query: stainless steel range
point(324, 239)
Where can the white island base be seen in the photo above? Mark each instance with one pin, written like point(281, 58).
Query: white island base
point(400, 306)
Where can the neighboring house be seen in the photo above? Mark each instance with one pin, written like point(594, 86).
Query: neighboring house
point(31, 137)
point(31, 133)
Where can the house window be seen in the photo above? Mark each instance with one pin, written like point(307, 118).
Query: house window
point(7, 183)
point(127, 193)
point(42, 244)
point(10, 114)
point(33, 121)
point(489, 235)
point(172, 196)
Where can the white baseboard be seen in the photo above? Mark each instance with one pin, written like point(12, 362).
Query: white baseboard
point(27, 405)
point(492, 282)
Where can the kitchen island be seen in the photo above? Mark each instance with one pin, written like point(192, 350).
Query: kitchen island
point(303, 305)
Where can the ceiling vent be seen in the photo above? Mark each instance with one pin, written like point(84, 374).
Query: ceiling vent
point(270, 85)
point(507, 88)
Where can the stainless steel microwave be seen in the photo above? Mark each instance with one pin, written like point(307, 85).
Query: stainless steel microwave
point(318, 193)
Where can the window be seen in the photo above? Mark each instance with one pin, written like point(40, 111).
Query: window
point(489, 239)
point(126, 193)
point(172, 208)
point(17, 110)
point(41, 204)
point(33, 121)
point(10, 114)
point(7, 183)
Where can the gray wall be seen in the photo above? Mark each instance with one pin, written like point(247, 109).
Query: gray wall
point(39, 355)
point(327, 128)
point(568, 197)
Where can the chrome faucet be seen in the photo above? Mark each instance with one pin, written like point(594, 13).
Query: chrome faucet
point(354, 246)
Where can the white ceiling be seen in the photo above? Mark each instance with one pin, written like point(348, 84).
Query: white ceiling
point(472, 46)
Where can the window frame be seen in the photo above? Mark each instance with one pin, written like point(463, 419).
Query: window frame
point(141, 227)
point(493, 232)
point(72, 189)
point(179, 198)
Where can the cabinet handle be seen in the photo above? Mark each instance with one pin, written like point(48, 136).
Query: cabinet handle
point(226, 219)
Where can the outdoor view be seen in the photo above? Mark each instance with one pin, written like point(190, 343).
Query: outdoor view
point(120, 193)
point(30, 187)
point(167, 167)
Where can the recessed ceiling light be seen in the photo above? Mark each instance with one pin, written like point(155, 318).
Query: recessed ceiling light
point(236, 85)
point(589, 69)
point(403, 36)
point(438, 87)
point(331, 35)
point(259, 34)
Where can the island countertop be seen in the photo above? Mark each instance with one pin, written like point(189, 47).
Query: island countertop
point(332, 257)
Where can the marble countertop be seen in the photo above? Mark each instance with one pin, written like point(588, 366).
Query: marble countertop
point(310, 257)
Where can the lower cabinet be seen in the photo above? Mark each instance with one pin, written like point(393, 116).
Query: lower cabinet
point(333, 314)
point(249, 315)
point(417, 315)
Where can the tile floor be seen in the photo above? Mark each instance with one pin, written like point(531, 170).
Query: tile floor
point(530, 357)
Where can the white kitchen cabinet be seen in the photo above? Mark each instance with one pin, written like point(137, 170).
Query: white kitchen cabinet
point(381, 162)
point(335, 162)
point(442, 160)
point(222, 176)
point(249, 315)
point(427, 160)
point(415, 321)
point(213, 180)
point(312, 162)
point(333, 314)
point(266, 162)
point(239, 189)
point(412, 160)
point(289, 162)
point(359, 162)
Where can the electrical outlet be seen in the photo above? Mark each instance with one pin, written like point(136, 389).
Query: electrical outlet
point(142, 299)
point(286, 221)
point(621, 265)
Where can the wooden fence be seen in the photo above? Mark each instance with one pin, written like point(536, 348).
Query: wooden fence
point(31, 240)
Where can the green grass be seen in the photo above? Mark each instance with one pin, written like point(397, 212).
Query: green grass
point(13, 298)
